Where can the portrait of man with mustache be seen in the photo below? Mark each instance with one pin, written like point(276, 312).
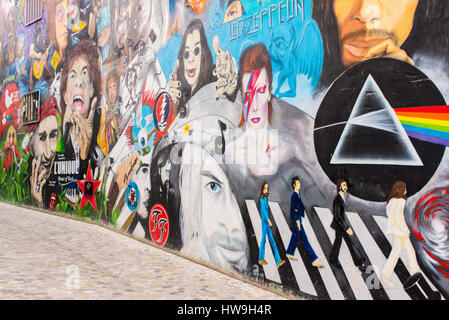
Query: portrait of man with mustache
point(357, 30)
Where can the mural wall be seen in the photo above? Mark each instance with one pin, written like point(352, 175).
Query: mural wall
point(296, 142)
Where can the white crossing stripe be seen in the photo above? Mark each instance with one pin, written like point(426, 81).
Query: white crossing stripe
point(326, 272)
point(270, 269)
point(125, 213)
point(376, 256)
point(353, 275)
point(382, 222)
point(302, 277)
point(139, 232)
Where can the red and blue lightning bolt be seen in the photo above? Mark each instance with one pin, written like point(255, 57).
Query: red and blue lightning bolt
point(250, 91)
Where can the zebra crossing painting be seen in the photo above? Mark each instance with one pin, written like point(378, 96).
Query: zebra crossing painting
point(347, 282)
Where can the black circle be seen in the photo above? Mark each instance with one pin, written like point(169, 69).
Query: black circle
point(403, 86)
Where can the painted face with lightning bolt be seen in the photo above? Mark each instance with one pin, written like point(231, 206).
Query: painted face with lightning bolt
point(256, 98)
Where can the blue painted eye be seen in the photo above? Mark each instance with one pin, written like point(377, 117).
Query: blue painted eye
point(142, 138)
point(214, 187)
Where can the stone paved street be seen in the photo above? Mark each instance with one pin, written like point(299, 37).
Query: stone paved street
point(41, 256)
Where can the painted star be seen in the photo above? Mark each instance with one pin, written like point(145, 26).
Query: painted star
point(88, 188)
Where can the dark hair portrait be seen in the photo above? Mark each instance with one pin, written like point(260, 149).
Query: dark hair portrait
point(339, 183)
point(262, 187)
point(205, 75)
point(294, 179)
point(84, 49)
point(430, 34)
point(82, 53)
point(113, 75)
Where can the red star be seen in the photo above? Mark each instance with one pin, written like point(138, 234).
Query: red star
point(95, 184)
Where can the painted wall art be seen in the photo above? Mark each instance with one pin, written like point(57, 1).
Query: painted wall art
point(300, 143)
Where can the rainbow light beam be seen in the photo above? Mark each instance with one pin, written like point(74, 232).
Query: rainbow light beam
point(429, 124)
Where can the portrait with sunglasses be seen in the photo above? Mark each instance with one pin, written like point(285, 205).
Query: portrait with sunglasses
point(194, 67)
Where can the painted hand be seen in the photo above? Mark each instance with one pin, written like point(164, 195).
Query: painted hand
point(173, 85)
point(349, 231)
point(81, 127)
point(388, 49)
point(37, 182)
point(225, 70)
point(110, 116)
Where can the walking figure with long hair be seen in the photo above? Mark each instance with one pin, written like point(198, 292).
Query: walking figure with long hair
point(401, 233)
point(266, 231)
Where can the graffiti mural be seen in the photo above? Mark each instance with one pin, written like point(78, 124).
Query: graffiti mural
point(300, 143)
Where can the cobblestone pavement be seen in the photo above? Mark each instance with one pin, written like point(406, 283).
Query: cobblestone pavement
point(41, 256)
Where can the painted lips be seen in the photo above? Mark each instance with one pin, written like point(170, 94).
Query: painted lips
point(360, 48)
point(78, 103)
point(356, 51)
point(71, 10)
point(255, 120)
point(232, 254)
point(46, 164)
point(191, 73)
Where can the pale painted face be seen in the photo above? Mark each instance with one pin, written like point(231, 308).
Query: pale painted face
point(112, 92)
point(233, 11)
point(142, 179)
point(143, 16)
point(223, 231)
point(45, 142)
point(192, 58)
point(61, 25)
point(72, 9)
point(80, 88)
point(256, 91)
point(211, 223)
point(363, 24)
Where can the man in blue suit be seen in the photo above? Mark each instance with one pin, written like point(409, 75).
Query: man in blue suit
point(296, 216)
